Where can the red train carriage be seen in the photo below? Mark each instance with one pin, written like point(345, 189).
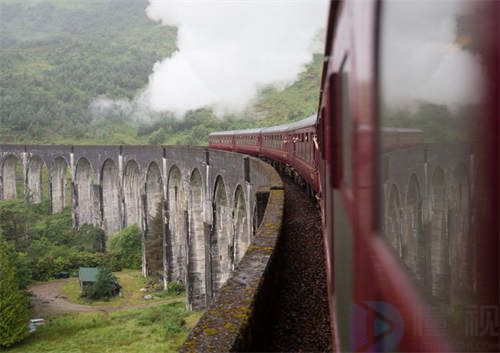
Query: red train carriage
point(248, 141)
point(296, 145)
point(412, 254)
point(223, 140)
point(302, 150)
point(275, 143)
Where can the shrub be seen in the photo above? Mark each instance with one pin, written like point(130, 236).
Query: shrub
point(14, 314)
point(150, 317)
point(91, 238)
point(43, 244)
point(23, 269)
point(175, 325)
point(125, 248)
point(175, 288)
point(157, 137)
point(154, 244)
point(155, 284)
point(170, 316)
point(106, 285)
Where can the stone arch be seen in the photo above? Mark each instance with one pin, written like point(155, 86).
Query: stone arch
point(413, 240)
point(177, 217)
point(37, 180)
point(460, 244)
point(242, 236)
point(220, 238)
point(196, 242)
point(132, 193)
point(61, 185)
point(87, 194)
point(12, 177)
point(154, 189)
point(110, 183)
point(393, 224)
point(439, 236)
point(153, 238)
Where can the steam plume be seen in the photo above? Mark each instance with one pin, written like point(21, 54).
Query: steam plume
point(229, 48)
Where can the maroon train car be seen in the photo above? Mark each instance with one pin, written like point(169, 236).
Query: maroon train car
point(410, 214)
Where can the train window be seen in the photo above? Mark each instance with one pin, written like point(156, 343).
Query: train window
point(430, 80)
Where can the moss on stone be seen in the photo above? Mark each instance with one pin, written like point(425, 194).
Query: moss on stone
point(210, 331)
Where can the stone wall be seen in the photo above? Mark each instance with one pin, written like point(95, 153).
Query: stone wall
point(206, 198)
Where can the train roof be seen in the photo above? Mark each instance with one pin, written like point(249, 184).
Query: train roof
point(233, 132)
point(309, 121)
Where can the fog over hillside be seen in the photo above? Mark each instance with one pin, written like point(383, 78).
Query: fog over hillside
point(111, 71)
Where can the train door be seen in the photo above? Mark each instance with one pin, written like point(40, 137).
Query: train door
point(336, 128)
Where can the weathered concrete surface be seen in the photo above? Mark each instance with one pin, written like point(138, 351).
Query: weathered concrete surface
point(132, 194)
point(34, 176)
point(111, 198)
point(59, 180)
point(87, 194)
point(221, 249)
point(177, 210)
point(196, 243)
point(9, 189)
point(242, 234)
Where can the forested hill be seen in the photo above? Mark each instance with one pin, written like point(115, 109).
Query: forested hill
point(59, 56)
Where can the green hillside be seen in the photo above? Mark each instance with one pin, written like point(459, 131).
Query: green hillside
point(58, 56)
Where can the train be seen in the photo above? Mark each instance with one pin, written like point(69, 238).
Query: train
point(295, 145)
point(404, 191)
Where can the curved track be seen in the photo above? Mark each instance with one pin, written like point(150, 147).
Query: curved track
point(300, 318)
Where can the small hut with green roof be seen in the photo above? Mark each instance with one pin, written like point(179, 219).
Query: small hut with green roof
point(87, 276)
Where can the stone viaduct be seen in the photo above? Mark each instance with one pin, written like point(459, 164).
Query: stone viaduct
point(427, 194)
point(211, 202)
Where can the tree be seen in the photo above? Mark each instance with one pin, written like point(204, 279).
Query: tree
point(14, 314)
point(125, 247)
point(154, 244)
point(92, 238)
point(106, 285)
point(157, 137)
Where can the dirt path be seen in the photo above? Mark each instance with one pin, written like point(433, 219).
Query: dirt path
point(49, 300)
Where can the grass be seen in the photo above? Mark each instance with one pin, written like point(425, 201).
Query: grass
point(130, 280)
point(161, 328)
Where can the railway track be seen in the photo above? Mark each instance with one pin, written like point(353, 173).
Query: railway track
point(300, 320)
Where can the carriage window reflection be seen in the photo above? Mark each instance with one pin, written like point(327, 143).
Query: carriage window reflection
point(430, 82)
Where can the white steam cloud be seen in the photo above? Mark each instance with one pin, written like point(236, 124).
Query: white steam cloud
point(421, 57)
point(103, 106)
point(230, 48)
